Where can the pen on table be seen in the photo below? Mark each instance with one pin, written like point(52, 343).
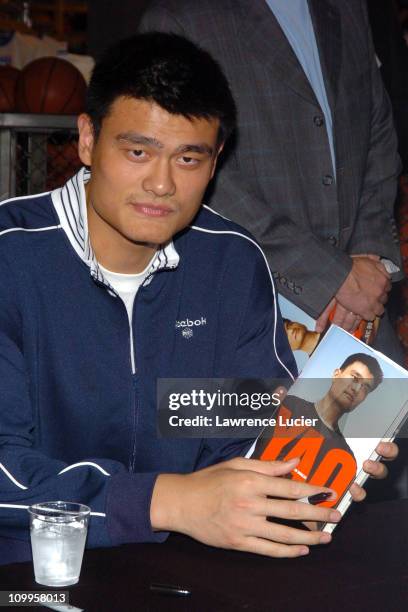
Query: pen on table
point(315, 499)
point(62, 607)
point(170, 589)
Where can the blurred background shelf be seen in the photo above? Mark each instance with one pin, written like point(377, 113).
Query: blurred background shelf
point(62, 19)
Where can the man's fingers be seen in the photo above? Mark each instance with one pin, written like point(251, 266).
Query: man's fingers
point(263, 478)
point(297, 511)
point(346, 319)
point(365, 289)
point(288, 535)
point(378, 311)
point(356, 324)
point(357, 493)
point(268, 468)
point(273, 549)
point(387, 450)
point(285, 488)
point(375, 469)
point(323, 319)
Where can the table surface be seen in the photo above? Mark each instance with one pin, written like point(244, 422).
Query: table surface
point(364, 568)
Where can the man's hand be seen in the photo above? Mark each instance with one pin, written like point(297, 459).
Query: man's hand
point(363, 293)
point(342, 317)
point(227, 505)
point(365, 290)
point(388, 451)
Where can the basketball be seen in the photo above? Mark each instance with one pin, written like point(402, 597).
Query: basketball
point(50, 85)
point(62, 159)
point(8, 80)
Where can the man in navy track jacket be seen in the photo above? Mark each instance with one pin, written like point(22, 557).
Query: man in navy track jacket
point(95, 278)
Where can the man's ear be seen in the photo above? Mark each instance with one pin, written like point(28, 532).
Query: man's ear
point(86, 139)
point(220, 148)
point(336, 373)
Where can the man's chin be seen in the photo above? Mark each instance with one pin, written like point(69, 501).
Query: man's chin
point(145, 243)
point(149, 240)
point(347, 407)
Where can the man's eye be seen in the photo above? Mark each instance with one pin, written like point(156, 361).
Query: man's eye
point(138, 153)
point(189, 161)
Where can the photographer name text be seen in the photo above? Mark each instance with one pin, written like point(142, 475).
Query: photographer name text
point(217, 421)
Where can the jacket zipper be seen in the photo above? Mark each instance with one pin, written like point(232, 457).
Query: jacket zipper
point(132, 350)
point(135, 404)
point(135, 389)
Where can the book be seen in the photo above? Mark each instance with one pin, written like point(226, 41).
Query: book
point(300, 329)
point(303, 339)
point(347, 399)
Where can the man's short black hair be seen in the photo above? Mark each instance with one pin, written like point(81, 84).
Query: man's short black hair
point(166, 69)
point(370, 362)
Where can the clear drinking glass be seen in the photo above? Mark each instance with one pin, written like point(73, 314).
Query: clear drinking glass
point(58, 533)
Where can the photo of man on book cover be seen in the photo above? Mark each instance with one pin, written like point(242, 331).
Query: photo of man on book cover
point(310, 430)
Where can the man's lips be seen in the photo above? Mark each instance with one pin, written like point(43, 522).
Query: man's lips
point(151, 210)
point(350, 396)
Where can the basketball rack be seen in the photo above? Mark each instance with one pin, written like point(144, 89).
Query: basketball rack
point(37, 152)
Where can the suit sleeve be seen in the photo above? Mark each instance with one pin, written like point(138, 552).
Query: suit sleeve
point(309, 274)
point(375, 229)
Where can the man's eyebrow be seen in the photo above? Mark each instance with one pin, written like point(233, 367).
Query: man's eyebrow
point(139, 139)
point(357, 374)
point(195, 148)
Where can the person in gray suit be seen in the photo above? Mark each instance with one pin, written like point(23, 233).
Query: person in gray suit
point(313, 171)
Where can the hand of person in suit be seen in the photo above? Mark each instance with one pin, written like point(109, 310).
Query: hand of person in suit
point(365, 290)
point(342, 317)
point(361, 296)
point(227, 505)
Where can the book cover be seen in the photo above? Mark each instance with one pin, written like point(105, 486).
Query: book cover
point(303, 339)
point(347, 399)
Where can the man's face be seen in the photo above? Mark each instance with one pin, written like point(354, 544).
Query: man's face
point(149, 170)
point(296, 333)
point(351, 385)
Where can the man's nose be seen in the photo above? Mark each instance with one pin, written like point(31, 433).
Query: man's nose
point(356, 386)
point(159, 180)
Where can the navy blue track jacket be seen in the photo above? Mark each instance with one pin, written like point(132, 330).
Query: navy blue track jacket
point(76, 423)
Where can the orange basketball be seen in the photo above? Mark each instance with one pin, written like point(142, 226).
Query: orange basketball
point(50, 85)
point(8, 80)
point(62, 160)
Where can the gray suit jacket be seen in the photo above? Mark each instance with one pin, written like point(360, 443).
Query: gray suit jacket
point(278, 179)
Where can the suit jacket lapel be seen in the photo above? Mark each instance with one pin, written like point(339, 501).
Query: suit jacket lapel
point(263, 35)
point(327, 26)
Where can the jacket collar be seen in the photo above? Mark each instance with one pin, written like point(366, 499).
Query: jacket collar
point(70, 204)
point(327, 25)
point(262, 34)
